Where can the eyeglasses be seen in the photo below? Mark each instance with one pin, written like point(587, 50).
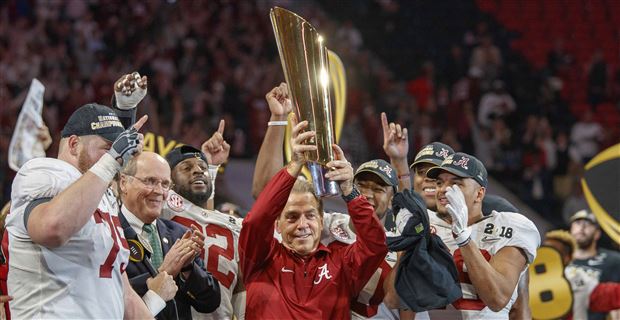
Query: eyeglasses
point(151, 182)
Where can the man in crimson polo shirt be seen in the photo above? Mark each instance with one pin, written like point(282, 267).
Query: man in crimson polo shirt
point(300, 278)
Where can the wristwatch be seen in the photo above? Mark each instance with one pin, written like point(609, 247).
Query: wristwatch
point(354, 194)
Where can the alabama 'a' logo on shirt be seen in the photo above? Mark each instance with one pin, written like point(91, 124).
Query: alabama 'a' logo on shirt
point(323, 273)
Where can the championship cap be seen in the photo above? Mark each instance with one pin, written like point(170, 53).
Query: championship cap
point(381, 168)
point(462, 165)
point(184, 152)
point(584, 215)
point(93, 119)
point(433, 153)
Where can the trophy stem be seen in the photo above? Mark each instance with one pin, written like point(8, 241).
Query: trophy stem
point(323, 187)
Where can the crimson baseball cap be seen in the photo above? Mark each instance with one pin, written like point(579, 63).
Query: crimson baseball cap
point(433, 153)
point(181, 153)
point(381, 168)
point(93, 119)
point(462, 165)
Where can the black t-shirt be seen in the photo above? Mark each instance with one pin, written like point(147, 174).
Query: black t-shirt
point(605, 266)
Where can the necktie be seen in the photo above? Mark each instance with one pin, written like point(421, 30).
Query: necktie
point(153, 236)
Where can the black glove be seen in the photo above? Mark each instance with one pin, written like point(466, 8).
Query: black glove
point(125, 146)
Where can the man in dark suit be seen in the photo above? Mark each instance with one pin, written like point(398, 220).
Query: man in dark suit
point(170, 247)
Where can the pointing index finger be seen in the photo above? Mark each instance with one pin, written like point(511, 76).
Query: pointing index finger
point(140, 122)
point(220, 129)
point(384, 124)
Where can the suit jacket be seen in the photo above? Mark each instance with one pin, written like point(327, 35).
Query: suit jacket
point(201, 290)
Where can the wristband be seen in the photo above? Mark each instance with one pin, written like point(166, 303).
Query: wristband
point(213, 169)
point(154, 302)
point(128, 102)
point(354, 194)
point(277, 123)
point(106, 168)
point(464, 243)
point(462, 238)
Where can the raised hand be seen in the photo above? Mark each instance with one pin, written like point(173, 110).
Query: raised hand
point(395, 139)
point(129, 143)
point(129, 90)
point(164, 285)
point(43, 135)
point(279, 102)
point(216, 148)
point(299, 145)
point(340, 171)
point(459, 213)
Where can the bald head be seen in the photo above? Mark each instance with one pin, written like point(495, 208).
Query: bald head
point(139, 161)
point(145, 182)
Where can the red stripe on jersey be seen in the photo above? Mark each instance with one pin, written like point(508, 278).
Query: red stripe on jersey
point(466, 303)
point(4, 271)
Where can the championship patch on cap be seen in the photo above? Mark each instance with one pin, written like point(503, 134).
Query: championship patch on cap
point(175, 202)
point(93, 119)
point(381, 168)
point(462, 165)
point(433, 153)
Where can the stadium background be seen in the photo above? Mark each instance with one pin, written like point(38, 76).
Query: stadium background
point(432, 65)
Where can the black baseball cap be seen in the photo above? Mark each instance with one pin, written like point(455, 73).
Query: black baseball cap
point(381, 168)
point(584, 215)
point(462, 165)
point(433, 153)
point(93, 119)
point(181, 153)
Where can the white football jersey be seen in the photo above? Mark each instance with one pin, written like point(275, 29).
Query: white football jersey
point(78, 280)
point(220, 254)
point(368, 304)
point(491, 234)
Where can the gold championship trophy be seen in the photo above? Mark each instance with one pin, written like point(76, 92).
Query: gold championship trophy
point(306, 70)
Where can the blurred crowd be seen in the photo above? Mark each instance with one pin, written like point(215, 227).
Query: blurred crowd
point(208, 60)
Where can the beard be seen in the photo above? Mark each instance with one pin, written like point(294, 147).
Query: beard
point(198, 198)
point(585, 243)
point(84, 162)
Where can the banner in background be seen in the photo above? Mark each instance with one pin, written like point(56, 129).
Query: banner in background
point(159, 144)
point(25, 144)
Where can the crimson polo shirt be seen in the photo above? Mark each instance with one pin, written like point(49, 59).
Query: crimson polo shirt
point(282, 285)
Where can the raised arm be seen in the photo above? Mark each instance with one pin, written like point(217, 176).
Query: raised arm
point(495, 280)
point(396, 146)
point(52, 223)
point(271, 155)
point(256, 238)
point(129, 90)
point(366, 254)
point(216, 149)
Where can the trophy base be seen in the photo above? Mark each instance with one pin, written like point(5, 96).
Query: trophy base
point(322, 186)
